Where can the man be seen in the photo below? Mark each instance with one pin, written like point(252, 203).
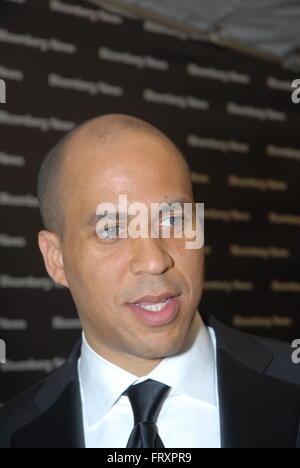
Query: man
point(150, 371)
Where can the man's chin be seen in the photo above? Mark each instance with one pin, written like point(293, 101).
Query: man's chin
point(163, 351)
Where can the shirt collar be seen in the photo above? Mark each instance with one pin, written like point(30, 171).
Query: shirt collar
point(191, 372)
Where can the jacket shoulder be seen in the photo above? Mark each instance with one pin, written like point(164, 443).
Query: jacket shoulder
point(279, 365)
point(18, 413)
point(282, 365)
point(28, 406)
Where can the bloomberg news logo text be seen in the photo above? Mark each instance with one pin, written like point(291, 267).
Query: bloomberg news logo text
point(2, 92)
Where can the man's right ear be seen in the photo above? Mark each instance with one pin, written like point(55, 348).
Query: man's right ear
point(50, 248)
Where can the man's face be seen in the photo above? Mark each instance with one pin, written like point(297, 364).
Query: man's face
point(105, 275)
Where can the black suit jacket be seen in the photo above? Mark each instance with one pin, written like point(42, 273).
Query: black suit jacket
point(259, 390)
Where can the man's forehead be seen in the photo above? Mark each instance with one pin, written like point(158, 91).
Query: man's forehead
point(99, 184)
point(124, 146)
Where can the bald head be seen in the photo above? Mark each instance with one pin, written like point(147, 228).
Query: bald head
point(105, 131)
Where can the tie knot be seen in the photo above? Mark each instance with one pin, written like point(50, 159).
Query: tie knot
point(146, 400)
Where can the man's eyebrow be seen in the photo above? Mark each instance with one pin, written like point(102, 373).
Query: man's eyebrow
point(93, 219)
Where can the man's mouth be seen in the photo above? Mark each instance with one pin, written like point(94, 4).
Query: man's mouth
point(155, 307)
point(158, 313)
point(154, 300)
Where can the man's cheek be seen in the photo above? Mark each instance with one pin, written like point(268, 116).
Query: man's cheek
point(192, 260)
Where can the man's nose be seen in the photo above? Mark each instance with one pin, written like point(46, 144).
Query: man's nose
point(150, 256)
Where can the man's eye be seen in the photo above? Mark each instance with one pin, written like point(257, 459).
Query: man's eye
point(111, 232)
point(174, 220)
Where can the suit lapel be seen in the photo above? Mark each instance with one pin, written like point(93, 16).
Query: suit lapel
point(60, 423)
point(256, 411)
point(59, 427)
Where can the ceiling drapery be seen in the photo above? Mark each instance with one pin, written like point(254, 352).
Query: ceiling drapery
point(269, 28)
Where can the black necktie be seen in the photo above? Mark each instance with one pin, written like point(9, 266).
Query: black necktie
point(146, 400)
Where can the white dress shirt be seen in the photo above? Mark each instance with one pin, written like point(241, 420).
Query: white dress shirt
point(189, 417)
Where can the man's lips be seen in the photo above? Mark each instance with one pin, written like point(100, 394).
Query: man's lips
point(158, 315)
point(150, 300)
